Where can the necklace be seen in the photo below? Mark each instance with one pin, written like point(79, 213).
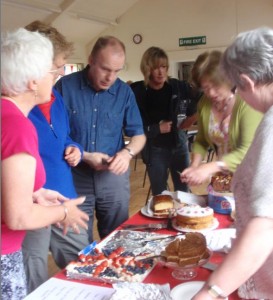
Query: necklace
point(227, 102)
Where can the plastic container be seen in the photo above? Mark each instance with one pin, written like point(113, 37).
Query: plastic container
point(222, 203)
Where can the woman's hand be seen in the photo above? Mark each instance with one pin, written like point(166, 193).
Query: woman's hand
point(73, 216)
point(48, 197)
point(196, 175)
point(72, 155)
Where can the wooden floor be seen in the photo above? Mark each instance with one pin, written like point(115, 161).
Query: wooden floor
point(139, 192)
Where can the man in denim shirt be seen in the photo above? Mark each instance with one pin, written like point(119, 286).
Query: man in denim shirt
point(102, 108)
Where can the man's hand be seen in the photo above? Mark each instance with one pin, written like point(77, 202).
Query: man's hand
point(119, 164)
point(96, 160)
point(165, 126)
point(72, 155)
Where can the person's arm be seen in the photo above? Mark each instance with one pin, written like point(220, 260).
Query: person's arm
point(72, 155)
point(133, 128)
point(188, 122)
point(96, 160)
point(136, 143)
point(199, 174)
point(119, 164)
point(250, 251)
point(246, 121)
point(18, 209)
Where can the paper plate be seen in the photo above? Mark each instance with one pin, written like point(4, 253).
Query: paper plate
point(221, 239)
point(186, 290)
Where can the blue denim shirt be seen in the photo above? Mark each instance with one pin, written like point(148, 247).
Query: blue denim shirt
point(98, 120)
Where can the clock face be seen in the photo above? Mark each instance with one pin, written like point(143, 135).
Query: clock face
point(137, 38)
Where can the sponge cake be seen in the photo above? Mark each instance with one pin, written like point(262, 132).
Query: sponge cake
point(162, 204)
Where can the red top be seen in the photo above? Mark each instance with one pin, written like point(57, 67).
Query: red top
point(18, 136)
point(45, 108)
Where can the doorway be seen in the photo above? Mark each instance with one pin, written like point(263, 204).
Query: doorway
point(184, 70)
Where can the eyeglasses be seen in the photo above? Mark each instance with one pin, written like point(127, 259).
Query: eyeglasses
point(57, 71)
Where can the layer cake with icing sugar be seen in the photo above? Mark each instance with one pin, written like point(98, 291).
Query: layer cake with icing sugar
point(194, 217)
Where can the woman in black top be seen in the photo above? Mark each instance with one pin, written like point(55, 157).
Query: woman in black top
point(163, 103)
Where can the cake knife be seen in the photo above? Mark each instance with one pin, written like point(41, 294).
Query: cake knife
point(144, 226)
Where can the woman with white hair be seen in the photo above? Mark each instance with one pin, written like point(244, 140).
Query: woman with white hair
point(248, 63)
point(26, 80)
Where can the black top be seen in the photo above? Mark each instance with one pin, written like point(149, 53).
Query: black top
point(158, 109)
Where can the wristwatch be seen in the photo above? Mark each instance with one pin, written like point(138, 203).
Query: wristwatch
point(216, 292)
point(130, 151)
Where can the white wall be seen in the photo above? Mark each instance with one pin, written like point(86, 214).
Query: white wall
point(163, 22)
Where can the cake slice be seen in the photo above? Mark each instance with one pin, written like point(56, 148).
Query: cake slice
point(162, 204)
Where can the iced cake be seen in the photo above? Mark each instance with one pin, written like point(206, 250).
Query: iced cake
point(194, 217)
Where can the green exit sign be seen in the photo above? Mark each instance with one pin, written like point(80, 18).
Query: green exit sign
point(193, 41)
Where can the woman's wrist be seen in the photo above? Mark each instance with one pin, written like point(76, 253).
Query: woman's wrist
point(221, 166)
point(216, 292)
point(65, 212)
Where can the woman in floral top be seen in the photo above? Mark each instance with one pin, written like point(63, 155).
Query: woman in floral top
point(226, 123)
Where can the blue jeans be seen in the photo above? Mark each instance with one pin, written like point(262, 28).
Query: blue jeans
point(164, 162)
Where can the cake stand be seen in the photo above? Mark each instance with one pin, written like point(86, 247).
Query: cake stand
point(187, 272)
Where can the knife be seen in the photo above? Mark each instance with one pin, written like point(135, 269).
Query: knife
point(144, 226)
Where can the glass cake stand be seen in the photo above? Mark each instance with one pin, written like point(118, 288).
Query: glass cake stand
point(187, 272)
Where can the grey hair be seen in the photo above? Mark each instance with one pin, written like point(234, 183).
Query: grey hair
point(251, 54)
point(25, 56)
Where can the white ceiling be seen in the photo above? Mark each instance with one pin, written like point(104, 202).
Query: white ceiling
point(79, 20)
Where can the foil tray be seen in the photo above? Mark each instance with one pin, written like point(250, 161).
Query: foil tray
point(136, 244)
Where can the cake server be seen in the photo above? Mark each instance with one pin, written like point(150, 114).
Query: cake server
point(169, 223)
point(144, 226)
point(210, 266)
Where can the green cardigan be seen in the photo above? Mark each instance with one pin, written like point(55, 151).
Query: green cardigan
point(243, 123)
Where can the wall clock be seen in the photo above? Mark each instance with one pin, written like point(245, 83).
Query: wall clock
point(137, 38)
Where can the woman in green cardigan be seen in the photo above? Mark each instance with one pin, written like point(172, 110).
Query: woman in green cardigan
point(226, 123)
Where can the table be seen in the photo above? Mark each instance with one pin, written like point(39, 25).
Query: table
point(161, 274)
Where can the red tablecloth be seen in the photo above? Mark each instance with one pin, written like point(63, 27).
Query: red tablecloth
point(161, 274)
